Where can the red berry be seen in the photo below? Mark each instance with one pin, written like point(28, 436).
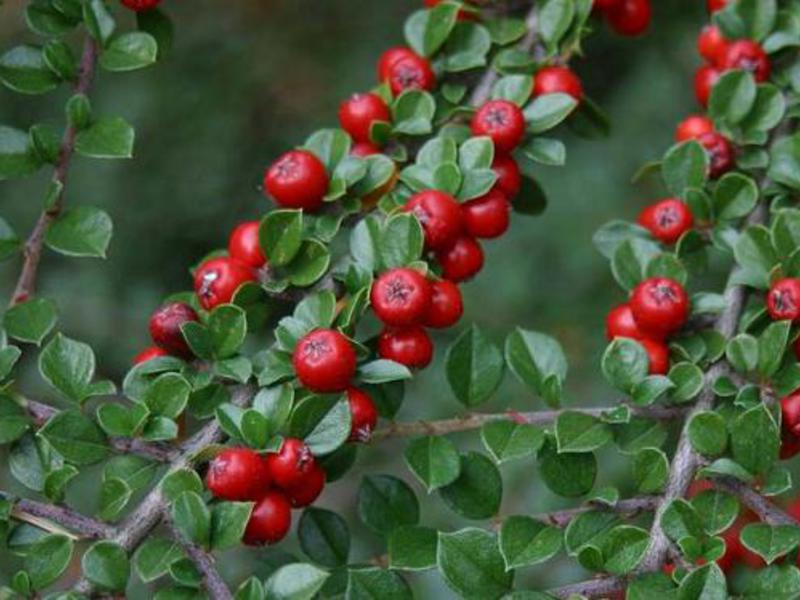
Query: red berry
point(487, 216)
point(140, 5)
point(440, 217)
point(735, 551)
point(502, 121)
point(509, 178)
point(446, 306)
point(149, 354)
point(604, 5)
point(401, 297)
point(410, 346)
point(290, 465)
point(389, 57)
point(660, 306)
point(630, 17)
point(796, 346)
point(692, 127)
point(217, 280)
point(783, 299)
point(238, 474)
point(410, 72)
point(667, 220)
point(620, 323)
point(554, 80)
point(712, 45)
point(324, 361)
point(359, 112)
point(270, 520)
point(364, 149)
point(704, 79)
point(363, 415)
point(714, 5)
point(657, 356)
point(790, 413)
point(297, 180)
point(750, 56)
point(720, 153)
point(462, 260)
point(243, 244)
point(698, 486)
point(165, 327)
point(308, 490)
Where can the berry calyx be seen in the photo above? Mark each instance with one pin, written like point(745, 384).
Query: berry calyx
point(712, 45)
point(324, 361)
point(660, 306)
point(488, 216)
point(446, 305)
point(629, 17)
point(238, 474)
point(704, 79)
point(149, 354)
point(304, 493)
point(363, 415)
point(790, 413)
point(657, 356)
point(692, 127)
point(401, 297)
point(243, 245)
point(509, 177)
point(462, 260)
point(554, 80)
point(165, 327)
point(359, 112)
point(440, 217)
point(364, 149)
point(270, 520)
point(140, 5)
point(410, 72)
point(667, 220)
point(620, 323)
point(297, 180)
point(409, 346)
point(749, 56)
point(291, 464)
point(783, 299)
point(217, 280)
point(502, 121)
point(720, 153)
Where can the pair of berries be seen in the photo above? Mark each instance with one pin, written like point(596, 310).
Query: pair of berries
point(667, 220)
point(722, 55)
point(626, 17)
point(658, 307)
point(720, 151)
point(403, 69)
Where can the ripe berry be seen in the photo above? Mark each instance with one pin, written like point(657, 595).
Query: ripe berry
point(630, 17)
point(487, 216)
point(410, 72)
point(324, 361)
point(714, 5)
point(363, 415)
point(140, 5)
point(509, 178)
point(790, 413)
point(238, 474)
point(667, 220)
point(243, 245)
point(389, 58)
point(446, 306)
point(308, 490)
point(704, 79)
point(750, 56)
point(783, 299)
point(462, 260)
point(554, 80)
point(502, 121)
point(359, 112)
point(660, 306)
point(720, 153)
point(364, 149)
point(149, 354)
point(401, 297)
point(657, 356)
point(620, 323)
point(692, 127)
point(712, 45)
point(290, 465)
point(270, 520)
point(410, 346)
point(217, 280)
point(297, 180)
point(165, 327)
point(440, 217)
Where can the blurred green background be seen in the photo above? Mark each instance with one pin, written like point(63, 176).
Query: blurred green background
point(248, 78)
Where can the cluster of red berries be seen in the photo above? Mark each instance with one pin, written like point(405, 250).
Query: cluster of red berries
point(626, 17)
point(658, 307)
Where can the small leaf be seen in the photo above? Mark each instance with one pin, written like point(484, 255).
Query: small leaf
point(108, 137)
point(474, 367)
point(434, 460)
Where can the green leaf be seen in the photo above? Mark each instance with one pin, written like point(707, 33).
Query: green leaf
point(129, 51)
point(434, 460)
point(546, 151)
point(8, 358)
point(755, 440)
point(14, 420)
point(9, 241)
point(773, 582)
point(108, 137)
point(192, 518)
point(685, 166)
point(735, 196)
point(426, 30)
point(681, 520)
point(281, 235)
point(47, 559)
point(81, 231)
point(24, 70)
point(515, 88)
point(742, 353)
point(114, 496)
point(385, 503)
point(579, 432)
point(784, 164)
point(167, 395)
point(310, 264)
point(17, 159)
point(623, 549)
point(413, 548)
point(506, 440)
point(55, 484)
point(650, 470)
point(375, 582)
point(588, 529)
point(106, 565)
point(383, 371)
point(30, 321)
point(154, 558)
point(717, 510)
point(771, 347)
point(770, 541)
point(324, 537)
point(323, 422)
point(179, 481)
point(555, 18)
point(472, 565)
point(625, 364)
point(708, 433)
point(537, 360)
point(547, 111)
point(732, 97)
point(568, 475)
point(45, 19)
point(296, 581)
point(402, 241)
point(688, 381)
point(705, 583)
point(76, 437)
point(466, 48)
point(478, 491)
point(525, 541)
point(228, 522)
point(412, 112)
point(752, 19)
point(474, 367)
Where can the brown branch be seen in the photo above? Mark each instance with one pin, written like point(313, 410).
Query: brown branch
point(26, 283)
point(204, 562)
point(766, 510)
point(629, 507)
point(592, 588)
point(44, 515)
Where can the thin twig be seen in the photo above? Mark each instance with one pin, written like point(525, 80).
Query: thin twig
point(766, 510)
point(204, 561)
point(43, 515)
